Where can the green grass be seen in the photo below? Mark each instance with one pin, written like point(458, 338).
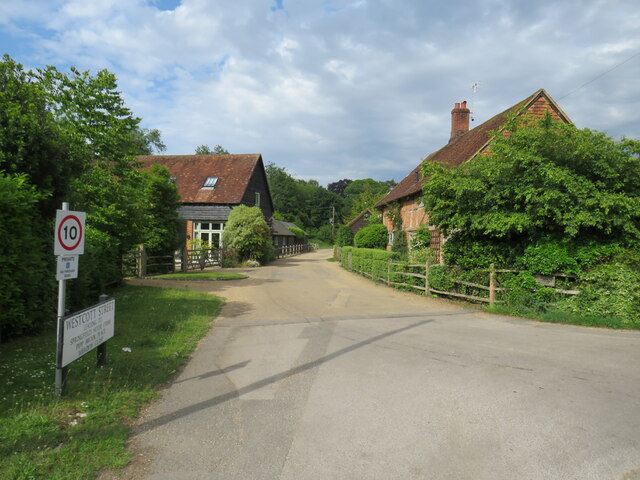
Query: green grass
point(202, 276)
point(43, 436)
point(332, 259)
point(567, 318)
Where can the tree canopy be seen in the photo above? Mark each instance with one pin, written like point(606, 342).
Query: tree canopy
point(207, 150)
point(544, 178)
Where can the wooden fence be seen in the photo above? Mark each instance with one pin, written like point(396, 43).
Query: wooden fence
point(393, 271)
point(140, 264)
point(289, 250)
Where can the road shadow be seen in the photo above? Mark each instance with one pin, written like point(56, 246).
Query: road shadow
point(235, 309)
point(183, 412)
point(215, 373)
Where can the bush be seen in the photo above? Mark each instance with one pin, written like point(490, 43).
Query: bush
point(400, 243)
point(344, 237)
point(371, 236)
point(27, 299)
point(248, 234)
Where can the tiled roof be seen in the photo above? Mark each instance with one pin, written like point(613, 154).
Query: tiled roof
point(466, 146)
point(191, 171)
point(281, 228)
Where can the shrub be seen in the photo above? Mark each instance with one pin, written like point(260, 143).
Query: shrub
point(344, 236)
point(247, 233)
point(26, 272)
point(371, 236)
point(400, 243)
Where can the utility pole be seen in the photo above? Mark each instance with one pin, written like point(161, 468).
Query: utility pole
point(333, 221)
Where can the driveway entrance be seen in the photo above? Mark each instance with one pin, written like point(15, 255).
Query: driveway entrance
point(311, 372)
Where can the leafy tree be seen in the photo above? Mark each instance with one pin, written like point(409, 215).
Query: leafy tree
point(544, 180)
point(206, 150)
point(371, 236)
point(31, 142)
point(304, 202)
point(161, 232)
point(248, 235)
point(148, 141)
point(26, 272)
point(364, 194)
point(344, 236)
point(339, 186)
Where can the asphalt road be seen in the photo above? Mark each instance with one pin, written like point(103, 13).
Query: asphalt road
point(311, 372)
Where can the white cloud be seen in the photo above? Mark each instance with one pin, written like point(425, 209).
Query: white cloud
point(342, 88)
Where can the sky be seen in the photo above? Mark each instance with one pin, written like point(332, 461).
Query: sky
point(333, 89)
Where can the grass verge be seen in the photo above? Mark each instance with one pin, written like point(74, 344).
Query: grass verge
point(42, 436)
point(202, 276)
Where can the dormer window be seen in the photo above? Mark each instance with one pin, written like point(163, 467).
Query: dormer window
point(210, 182)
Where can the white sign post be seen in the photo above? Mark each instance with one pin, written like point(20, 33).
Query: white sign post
point(68, 241)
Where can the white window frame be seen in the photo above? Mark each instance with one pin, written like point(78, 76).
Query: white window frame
point(198, 230)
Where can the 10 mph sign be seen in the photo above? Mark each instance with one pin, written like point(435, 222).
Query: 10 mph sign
point(69, 234)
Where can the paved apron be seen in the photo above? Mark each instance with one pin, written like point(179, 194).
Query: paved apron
point(311, 372)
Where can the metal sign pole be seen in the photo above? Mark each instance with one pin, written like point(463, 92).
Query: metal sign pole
point(60, 371)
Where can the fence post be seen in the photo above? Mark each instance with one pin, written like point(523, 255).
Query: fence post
point(388, 272)
point(427, 267)
point(101, 351)
point(492, 284)
point(142, 266)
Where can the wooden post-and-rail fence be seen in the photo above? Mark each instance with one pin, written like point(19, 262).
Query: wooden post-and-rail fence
point(492, 288)
point(139, 264)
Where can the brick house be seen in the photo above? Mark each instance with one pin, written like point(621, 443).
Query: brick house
point(210, 186)
point(463, 145)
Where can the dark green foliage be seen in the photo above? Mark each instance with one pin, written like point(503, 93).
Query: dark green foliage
point(344, 236)
point(161, 231)
point(371, 236)
point(27, 298)
point(73, 139)
point(466, 251)
point(545, 179)
point(400, 243)
point(303, 202)
point(324, 234)
point(247, 234)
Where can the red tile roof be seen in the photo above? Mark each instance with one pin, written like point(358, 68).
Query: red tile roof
point(466, 146)
point(191, 171)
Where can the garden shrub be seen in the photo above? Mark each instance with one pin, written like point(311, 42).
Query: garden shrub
point(344, 236)
point(400, 243)
point(248, 234)
point(371, 236)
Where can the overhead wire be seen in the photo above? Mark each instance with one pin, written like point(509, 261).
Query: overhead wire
point(601, 75)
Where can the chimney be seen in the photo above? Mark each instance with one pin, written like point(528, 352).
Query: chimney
point(459, 120)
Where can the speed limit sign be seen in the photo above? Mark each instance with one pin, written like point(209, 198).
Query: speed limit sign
point(69, 233)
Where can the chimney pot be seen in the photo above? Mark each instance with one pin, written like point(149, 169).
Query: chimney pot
point(459, 120)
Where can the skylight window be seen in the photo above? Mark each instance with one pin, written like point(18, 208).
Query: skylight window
point(210, 182)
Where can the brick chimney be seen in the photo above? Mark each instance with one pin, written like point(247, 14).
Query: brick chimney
point(459, 120)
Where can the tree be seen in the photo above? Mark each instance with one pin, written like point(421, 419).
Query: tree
point(247, 234)
point(364, 194)
point(148, 141)
point(339, 186)
point(206, 150)
point(344, 236)
point(544, 180)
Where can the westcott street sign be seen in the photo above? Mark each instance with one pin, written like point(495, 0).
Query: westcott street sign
point(69, 233)
point(85, 330)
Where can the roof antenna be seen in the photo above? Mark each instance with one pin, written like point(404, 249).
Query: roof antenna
point(474, 89)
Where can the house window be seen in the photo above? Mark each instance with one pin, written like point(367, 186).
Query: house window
point(210, 182)
point(207, 234)
point(257, 199)
point(390, 239)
